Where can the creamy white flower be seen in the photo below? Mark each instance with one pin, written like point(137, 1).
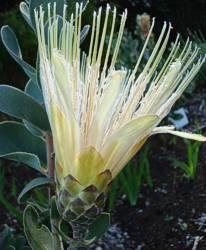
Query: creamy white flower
point(100, 116)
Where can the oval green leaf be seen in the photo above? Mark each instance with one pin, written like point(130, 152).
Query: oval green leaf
point(29, 159)
point(12, 45)
point(38, 182)
point(33, 89)
point(18, 104)
point(24, 9)
point(98, 227)
point(39, 236)
point(16, 138)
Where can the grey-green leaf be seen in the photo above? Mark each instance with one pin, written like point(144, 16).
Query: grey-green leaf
point(84, 33)
point(38, 182)
point(9, 241)
point(32, 129)
point(24, 9)
point(18, 104)
point(29, 159)
point(16, 138)
point(33, 89)
point(39, 236)
point(99, 227)
point(5, 237)
point(12, 45)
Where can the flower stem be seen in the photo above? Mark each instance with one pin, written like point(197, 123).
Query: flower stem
point(57, 241)
point(50, 158)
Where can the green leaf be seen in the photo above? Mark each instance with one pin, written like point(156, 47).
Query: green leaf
point(54, 211)
point(33, 89)
point(24, 9)
point(5, 237)
point(15, 138)
point(27, 158)
point(9, 242)
point(39, 236)
point(18, 104)
point(114, 193)
point(99, 227)
point(12, 45)
point(84, 33)
point(19, 243)
point(35, 4)
point(38, 182)
point(55, 220)
point(32, 129)
point(65, 230)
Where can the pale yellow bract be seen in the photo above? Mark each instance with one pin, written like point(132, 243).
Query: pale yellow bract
point(101, 116)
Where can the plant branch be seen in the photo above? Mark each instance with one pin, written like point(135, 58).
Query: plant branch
point(57, 242)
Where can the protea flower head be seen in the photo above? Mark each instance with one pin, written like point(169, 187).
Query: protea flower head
point(100, 116)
